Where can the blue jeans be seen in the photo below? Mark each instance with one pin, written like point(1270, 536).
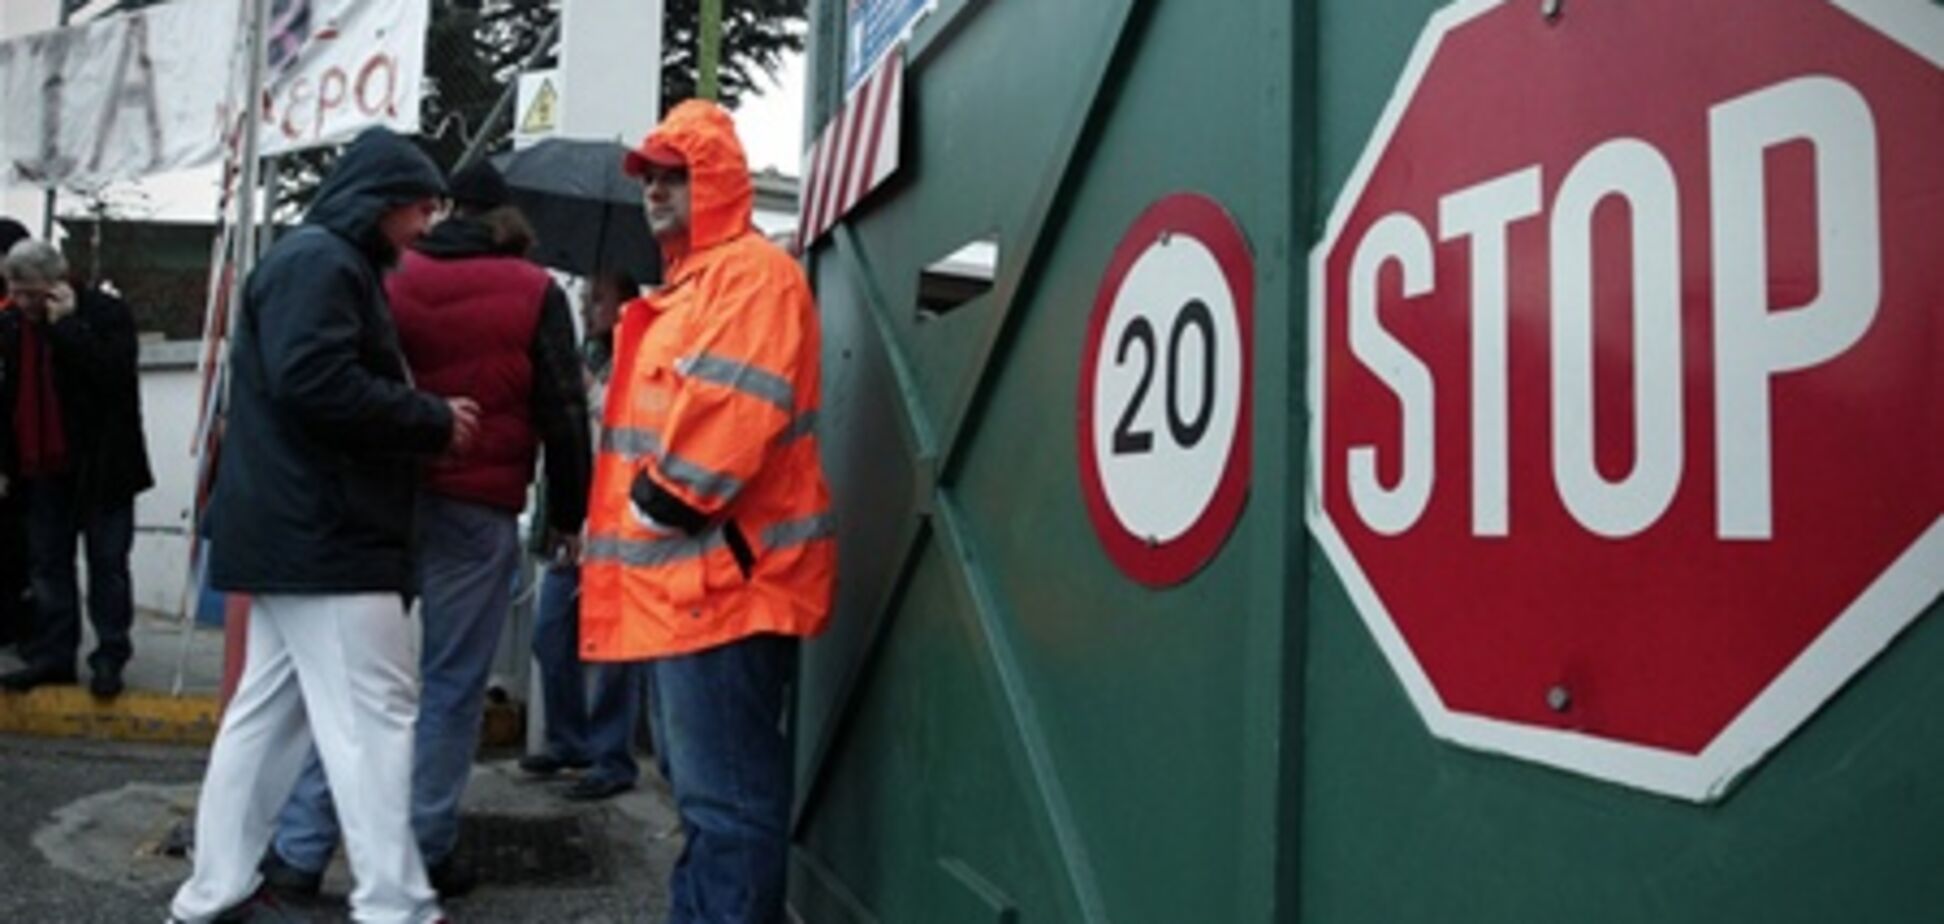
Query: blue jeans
point(54, 523)
point(467, 558)
point(590, 708)
point(724, 730)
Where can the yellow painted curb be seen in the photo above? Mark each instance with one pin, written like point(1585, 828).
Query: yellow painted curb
point(70, 712)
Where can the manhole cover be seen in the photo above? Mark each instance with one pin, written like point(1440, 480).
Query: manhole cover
point(509, 850)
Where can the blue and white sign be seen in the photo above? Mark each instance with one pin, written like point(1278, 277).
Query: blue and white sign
point(871, 28)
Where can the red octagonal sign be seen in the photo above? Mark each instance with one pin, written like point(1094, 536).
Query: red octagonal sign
point(1628, 373)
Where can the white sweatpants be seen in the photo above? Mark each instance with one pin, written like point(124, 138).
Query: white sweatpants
point(343, 670)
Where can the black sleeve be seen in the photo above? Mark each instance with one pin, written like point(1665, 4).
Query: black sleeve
point(310, 353)
point(97, 340)
point(664, 507)
point(560, 414)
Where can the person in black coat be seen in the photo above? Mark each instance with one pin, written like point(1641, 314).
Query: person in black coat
point(74, 451)
point(326, 435)
point(312, 516)
point(16, 599)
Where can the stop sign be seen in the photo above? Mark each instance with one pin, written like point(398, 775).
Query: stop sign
point(1627, 333)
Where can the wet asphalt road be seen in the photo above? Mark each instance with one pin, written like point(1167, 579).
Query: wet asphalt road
point(81, 824)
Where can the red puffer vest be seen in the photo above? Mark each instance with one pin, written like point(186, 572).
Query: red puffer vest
point(467, 328)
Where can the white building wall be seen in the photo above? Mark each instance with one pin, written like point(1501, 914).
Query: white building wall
point(170, 387)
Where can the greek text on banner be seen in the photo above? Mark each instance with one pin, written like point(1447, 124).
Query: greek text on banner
point(153, 90)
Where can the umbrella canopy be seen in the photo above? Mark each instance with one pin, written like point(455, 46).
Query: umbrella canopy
point(584, 210)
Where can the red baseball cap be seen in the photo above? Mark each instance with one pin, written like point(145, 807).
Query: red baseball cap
point(652, 151)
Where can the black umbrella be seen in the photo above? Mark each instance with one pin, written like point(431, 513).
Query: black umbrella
point(584, 210)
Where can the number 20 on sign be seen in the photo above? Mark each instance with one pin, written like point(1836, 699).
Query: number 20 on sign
point(1165, 391)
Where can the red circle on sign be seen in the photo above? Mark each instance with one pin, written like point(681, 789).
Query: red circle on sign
point(1166, 563)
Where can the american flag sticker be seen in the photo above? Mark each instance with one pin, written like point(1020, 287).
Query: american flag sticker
point(856, 151)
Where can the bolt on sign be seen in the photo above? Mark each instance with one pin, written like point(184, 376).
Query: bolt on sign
point(1628, 373)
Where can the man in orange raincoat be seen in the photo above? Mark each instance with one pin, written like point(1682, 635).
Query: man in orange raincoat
point(710, 549)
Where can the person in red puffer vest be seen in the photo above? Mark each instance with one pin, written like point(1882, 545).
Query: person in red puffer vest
point(475, 319)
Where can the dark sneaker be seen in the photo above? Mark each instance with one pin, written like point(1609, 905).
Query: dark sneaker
point(450, 878)
point(281, 877)
point(594, 789)
point(36, 675)
point(548, 765)
point(260, 908)
point(106, 683)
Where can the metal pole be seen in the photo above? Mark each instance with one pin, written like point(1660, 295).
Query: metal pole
point(266, 231)
point(708, 57)
point(53, 194)
point(477, 146)
point(246, 211)
point(242, 257)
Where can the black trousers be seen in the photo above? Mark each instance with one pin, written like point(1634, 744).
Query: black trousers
point(55, 525)
point(16, 594)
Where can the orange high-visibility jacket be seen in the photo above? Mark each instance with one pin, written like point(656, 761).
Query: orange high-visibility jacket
point(709, 429)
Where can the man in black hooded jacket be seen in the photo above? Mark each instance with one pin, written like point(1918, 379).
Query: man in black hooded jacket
point(475, 319)
point(312, 516)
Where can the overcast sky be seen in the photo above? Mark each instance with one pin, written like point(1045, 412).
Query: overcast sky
point(772, 126)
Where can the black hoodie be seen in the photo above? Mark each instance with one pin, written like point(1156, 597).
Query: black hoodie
point(325, 433)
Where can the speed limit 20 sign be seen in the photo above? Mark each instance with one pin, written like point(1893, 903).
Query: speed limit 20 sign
point(1164, 391)
point(1629, 419)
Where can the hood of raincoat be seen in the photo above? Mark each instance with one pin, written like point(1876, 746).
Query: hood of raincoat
point(378, 171)
point(721, 197)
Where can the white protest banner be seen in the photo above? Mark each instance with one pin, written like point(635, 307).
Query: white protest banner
point(154, 90)
point(361, 65)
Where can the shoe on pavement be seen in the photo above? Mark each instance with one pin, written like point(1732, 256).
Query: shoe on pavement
point(450, 878)
point(106, 682)
point(281, 877)
point(36, 675)
point(548, 765)
point(594, 788)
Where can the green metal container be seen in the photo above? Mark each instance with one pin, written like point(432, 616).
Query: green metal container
point(1002, 726)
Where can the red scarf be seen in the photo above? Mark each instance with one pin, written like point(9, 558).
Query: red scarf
point(37, 409)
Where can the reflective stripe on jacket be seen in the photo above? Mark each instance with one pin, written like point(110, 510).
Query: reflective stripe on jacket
point(709, 426)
